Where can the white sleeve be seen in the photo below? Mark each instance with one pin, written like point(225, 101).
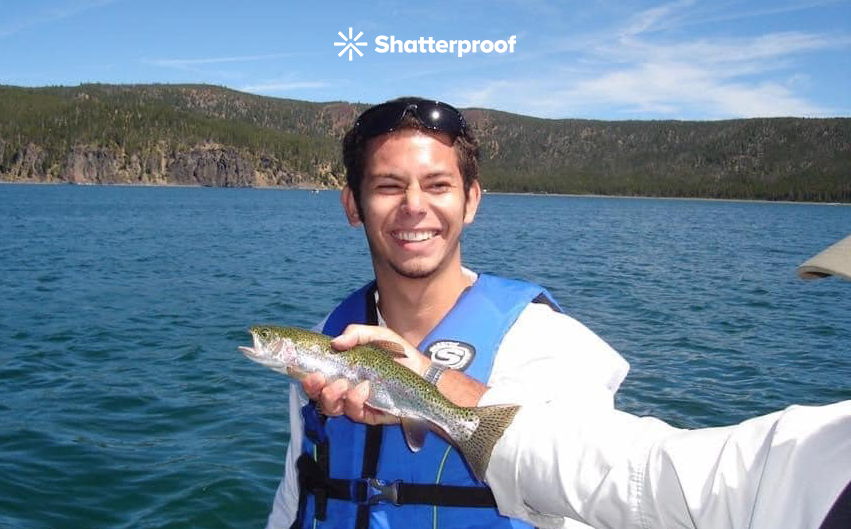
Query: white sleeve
point(546, 351)
point(543, 353)
point(583, 460)
point(285, 505)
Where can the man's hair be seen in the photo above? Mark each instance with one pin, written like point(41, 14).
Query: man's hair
point(466, 148)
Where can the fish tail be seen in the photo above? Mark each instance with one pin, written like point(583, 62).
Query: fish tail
point(493, 420)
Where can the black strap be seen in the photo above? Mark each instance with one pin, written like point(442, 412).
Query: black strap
point(445, 495)
point(371, 451)
point(371, 309)
point(543, 299)
point(839, 516)
point(320, 496)
point(312, 479)
point(372, 441)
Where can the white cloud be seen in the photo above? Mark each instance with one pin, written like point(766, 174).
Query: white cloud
point(649, 19)
point(712, 13)
point(673, 88)
point(188, 63)
point(639, 71)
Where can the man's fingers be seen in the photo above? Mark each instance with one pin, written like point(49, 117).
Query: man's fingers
point(344, 342)
point(356, 334)
point(357, 395)
point(333, 396)
point(330, 397)
point(313, 384)
point(355, 407)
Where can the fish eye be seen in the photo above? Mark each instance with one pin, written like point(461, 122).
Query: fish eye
point(265, 334)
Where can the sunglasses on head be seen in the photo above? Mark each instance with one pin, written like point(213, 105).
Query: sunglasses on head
point(433, 115)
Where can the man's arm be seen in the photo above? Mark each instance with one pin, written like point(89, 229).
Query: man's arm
point(607, 468)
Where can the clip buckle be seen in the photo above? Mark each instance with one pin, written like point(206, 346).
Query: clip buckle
point(369, 491)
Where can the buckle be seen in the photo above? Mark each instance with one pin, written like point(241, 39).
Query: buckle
point(369, 491)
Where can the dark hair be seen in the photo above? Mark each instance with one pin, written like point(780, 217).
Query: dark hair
point(466, 148)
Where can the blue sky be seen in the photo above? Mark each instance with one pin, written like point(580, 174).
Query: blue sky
point(608, 59)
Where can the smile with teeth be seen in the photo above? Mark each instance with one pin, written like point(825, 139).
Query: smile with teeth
point(414, 235)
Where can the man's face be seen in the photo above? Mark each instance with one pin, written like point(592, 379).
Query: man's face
point(414, 209)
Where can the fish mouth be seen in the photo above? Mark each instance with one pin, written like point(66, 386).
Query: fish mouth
point(255, 351)
point(266, 355)
point(247, 351)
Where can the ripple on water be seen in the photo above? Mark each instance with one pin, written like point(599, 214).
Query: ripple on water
point(125, 403)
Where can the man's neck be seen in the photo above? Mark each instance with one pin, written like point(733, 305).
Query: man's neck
point(413, 307)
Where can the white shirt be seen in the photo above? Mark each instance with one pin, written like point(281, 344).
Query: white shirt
point(580, 458)
point(541, 353)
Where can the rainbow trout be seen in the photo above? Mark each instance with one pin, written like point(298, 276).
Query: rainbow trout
point(394, 389)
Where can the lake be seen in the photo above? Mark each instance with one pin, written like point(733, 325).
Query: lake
point(125, 403)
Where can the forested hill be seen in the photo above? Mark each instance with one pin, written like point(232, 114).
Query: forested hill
point(207, 135)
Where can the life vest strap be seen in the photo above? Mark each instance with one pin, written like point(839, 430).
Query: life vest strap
point(314, 430)
point(371, 491)
point(371, 451)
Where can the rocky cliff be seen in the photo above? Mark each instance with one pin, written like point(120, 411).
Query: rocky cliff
point(204, 135)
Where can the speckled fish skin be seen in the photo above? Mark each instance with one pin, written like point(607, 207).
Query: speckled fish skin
point(394, 389)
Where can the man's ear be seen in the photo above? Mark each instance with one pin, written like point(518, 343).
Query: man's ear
point(474, 196)
point(347, 199)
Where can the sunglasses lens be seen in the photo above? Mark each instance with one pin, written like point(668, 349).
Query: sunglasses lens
point(439, 116)
point(432, 114)
point(379, 119)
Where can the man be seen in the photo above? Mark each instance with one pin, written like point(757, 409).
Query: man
point(412, 183)
point(789, 469)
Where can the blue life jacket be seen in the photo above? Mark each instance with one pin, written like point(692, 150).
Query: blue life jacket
point(353, 475)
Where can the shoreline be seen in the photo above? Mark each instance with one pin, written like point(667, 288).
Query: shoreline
point(506, 193)
point(640, 197)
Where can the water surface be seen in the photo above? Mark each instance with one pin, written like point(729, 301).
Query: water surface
point(125, 403)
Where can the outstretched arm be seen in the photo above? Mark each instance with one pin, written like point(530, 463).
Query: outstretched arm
point(586, 461)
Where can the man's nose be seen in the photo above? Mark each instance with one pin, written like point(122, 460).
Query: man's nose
point(414, 203)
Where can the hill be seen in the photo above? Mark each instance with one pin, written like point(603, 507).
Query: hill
point(207, 135)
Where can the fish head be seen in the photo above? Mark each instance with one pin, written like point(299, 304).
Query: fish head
point(274, 347)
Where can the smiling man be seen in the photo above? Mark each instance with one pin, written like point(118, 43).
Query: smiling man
point(412, 184)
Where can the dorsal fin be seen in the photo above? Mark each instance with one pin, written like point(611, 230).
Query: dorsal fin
point(395, 350)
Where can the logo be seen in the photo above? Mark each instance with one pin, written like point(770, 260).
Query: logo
point(454, 355)
point(460, 47)
point(350, 44)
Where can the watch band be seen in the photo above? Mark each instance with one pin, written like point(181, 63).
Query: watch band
point(434, 372)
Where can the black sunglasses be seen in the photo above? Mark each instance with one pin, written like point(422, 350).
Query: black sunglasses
point(433, 115)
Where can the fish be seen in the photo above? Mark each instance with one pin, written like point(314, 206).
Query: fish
point(394, 389)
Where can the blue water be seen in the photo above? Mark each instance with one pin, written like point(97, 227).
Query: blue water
point(125, 403)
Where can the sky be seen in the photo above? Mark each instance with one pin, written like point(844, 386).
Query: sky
point(592, 59)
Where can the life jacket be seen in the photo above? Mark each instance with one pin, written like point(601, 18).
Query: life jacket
point(354, 475)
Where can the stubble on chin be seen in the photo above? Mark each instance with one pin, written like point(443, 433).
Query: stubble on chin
point(412, 272)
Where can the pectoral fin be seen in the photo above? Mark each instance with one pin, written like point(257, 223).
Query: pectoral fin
point(415, 432)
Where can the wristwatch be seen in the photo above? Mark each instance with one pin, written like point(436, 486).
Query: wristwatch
point(434, 372)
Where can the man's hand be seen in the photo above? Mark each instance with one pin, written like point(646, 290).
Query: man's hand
point(337, 398)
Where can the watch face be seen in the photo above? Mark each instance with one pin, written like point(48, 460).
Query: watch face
point(452, 354)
